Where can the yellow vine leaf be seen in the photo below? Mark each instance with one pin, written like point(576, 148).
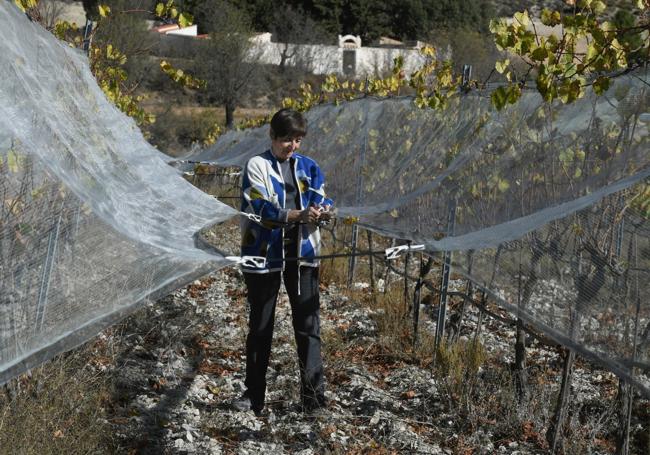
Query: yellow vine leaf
point(104, 10)
point(24, 5)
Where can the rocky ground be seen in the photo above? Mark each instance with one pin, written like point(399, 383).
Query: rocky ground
point(184, 364)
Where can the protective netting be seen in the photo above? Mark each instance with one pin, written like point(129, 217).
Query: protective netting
point(583, 280)
point(548, 219)
point(545, 200)
point(92, 219)
point(398, 167)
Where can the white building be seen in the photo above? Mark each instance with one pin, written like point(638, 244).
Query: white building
point(349, 58)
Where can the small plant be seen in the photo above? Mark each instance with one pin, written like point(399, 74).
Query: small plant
point(457, 366)
point(60, 407)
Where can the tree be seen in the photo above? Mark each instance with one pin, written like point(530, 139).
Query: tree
point(452, 14)
point(224, 60)
point(291, 28)
point(328, 14)
point(126, 29)
point(367, 19)
point(410, 20)
point(262, 12)
point(91, 9)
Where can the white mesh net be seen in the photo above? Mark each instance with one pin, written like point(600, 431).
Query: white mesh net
point(545, 197)
point(544, 201)
point(92, 220)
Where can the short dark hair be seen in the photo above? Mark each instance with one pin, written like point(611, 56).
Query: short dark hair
point(288, 123)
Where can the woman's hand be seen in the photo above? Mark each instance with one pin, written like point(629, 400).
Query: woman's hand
point(309, 215)
point(327, 214)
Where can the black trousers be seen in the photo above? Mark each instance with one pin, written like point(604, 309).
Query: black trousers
point(262, 296)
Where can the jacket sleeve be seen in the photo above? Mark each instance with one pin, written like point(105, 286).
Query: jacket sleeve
point(256, 194)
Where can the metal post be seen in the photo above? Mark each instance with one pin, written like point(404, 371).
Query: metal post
point(416, 305)
point(637, 294)
point(625, 391)
point(446, 271)
point(387, 270)
point(359, 193)
point(87, 35)
point(417, 295)
point(352, 261)
point(371, 263)
point(619, 249)
point(467, 76)
point(407, 259)
point(47, 272)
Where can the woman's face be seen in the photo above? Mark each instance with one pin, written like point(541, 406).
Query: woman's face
point(283, 147)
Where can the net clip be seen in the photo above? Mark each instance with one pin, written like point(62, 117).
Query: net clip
point(396, 251)
point(251, 216)
point(252, 262)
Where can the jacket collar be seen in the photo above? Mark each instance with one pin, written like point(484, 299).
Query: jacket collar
point(274, 161)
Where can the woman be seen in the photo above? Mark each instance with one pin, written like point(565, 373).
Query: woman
point(286, 190)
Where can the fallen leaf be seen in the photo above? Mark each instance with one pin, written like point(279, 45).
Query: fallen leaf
point(213, 389)
point(409, 394)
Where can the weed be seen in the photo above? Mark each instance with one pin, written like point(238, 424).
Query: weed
point(457, 367)
point(59, 408)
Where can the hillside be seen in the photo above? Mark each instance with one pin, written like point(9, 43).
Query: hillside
point(509, 7)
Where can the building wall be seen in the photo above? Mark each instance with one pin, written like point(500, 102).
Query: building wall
point(326, 59)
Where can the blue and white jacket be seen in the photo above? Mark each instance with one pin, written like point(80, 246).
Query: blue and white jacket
point(264, 195)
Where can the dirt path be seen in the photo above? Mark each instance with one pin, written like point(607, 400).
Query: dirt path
point(185, 364)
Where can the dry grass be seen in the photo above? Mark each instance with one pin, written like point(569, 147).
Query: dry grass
point(60, 408)
point(474, 385)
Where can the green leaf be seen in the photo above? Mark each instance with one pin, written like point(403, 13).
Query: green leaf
point(601, 85)
point(570, 91)
point(513, 93)
point(185, 19)
point(499, 98)
point(550, 18)
point(621, 57)
point(608, 27)
point(435, 102)
point(501, 66)
point(497, 26)
point(398, 64)
point(104, 10)
point(598, 7)
point(539, 54)
point(160, 9)
point(566, 156)
point(593, 50)
point(545, 85)
point(525, 44)
point(522, 18)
